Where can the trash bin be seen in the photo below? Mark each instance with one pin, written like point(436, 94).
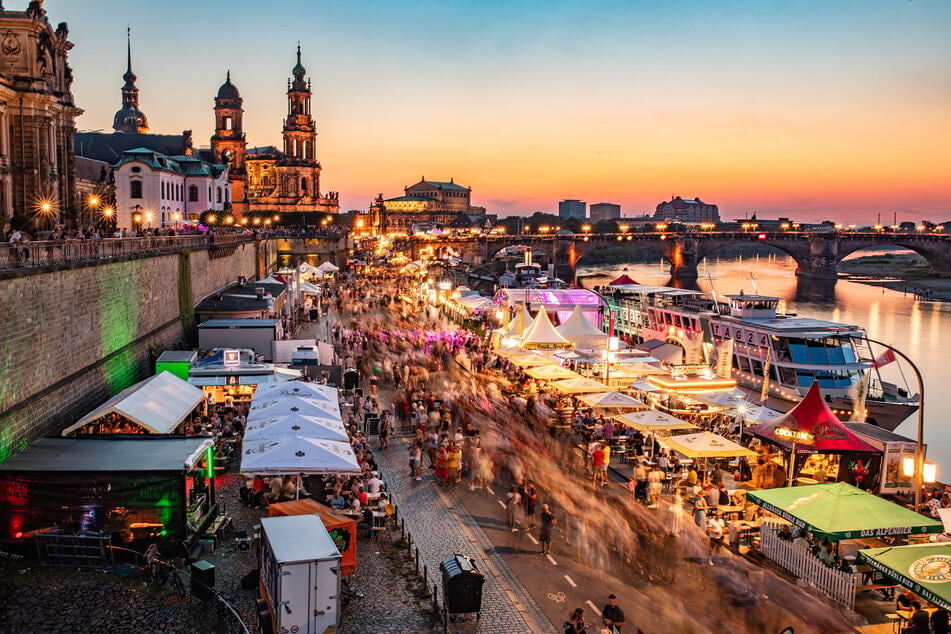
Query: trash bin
point(461, 585)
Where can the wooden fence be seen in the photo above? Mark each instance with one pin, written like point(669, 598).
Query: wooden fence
point(835, 584)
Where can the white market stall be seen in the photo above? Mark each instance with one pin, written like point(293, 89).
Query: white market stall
point(158, 404)
point(295, 425)
point(293, 455)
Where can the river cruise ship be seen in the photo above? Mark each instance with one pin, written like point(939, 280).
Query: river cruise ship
point(763, 343)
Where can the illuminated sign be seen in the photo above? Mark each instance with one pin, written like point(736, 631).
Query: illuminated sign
point(232, 358)
point(794, 435)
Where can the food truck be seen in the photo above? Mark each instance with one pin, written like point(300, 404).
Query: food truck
point(300, 574)
point(342, 529)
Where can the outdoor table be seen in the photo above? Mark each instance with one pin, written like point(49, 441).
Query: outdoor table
point(726, 510)
point(747, 529)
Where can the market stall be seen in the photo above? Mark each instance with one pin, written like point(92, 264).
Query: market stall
point(925, 569)
point(157, 405)
point(295, 425)
point(837, 510)
point(293, 455)
point(823, 447)
point(612, 400)
point(135, 488)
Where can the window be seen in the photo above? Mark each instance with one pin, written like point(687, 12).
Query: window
point(193, 193)
point(135, 189)
point(303, 185)
point(227, 123)
point(218, 197)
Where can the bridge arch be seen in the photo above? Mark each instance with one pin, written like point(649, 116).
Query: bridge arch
point(709, 248)
point(639, 248)
point(935, 253)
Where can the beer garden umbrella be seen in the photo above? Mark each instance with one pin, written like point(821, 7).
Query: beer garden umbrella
point(925, 569)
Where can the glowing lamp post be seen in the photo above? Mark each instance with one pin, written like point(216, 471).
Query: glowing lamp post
point(794, 436)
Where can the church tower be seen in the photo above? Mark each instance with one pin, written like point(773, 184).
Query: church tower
point(229, 145)
point(300, 139)
point(129, 118)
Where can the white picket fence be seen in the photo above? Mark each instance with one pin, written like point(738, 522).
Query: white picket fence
point(835, 584)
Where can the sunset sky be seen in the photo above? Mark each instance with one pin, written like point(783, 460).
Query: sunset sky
point(811, 109)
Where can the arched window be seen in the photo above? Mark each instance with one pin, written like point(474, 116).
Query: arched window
point(303, 185)
point(193, 193)
point(218, 197)
point(227, 123)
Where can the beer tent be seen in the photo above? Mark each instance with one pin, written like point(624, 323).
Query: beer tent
point(838, 510)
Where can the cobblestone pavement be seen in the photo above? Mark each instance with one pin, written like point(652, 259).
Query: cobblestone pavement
point(441, 526)
point(47, 599)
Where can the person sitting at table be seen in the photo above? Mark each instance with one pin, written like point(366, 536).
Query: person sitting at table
point(368, 518)
point(337, 502)
point(919, 621)
point(381, 504)
point(785, 533)
point(724, 497)
point(904, 601)
point(802, 541)
point(844, 565)
point(355, 503)
point(826, 555)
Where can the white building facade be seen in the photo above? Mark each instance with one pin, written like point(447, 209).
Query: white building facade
point(157, 191)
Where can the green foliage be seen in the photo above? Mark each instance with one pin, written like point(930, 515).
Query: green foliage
point(186, 296)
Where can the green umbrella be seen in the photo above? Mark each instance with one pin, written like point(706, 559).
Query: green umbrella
point(838, 510)
point(924, 569)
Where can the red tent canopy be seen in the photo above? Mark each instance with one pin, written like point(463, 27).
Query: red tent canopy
point(813, 415)
point(624, 279)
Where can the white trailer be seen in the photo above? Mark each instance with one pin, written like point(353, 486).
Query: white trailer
point(300, 574)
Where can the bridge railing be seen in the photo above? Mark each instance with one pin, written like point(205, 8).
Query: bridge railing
point(51, 252)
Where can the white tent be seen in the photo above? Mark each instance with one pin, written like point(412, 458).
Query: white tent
point(542, 334)
point(298, 455)
point(159, 404)
point(705, 444)
point(527, 321)
point(608, 400)
point(298, 388)
point(653, 420)
point(311, 289)
point(295, 425)
point(581, 332)
point(286, 405)
point(310, 269)
point(327, 267)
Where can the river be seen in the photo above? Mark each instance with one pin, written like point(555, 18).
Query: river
point(912, 327)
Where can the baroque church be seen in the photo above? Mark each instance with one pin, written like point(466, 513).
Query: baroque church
point(261, 180)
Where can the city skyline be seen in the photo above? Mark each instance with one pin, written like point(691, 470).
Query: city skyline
point(809, 111)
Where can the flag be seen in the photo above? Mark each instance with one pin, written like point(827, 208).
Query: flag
point(883, 359)
point(765, 392)
point(725, 358)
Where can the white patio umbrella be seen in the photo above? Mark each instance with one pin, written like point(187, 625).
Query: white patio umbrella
point(294, 455)
point(295, 425)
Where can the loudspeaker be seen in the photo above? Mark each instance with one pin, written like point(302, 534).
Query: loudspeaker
point(203, 579)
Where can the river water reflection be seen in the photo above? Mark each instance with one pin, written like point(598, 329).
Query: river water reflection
point(912, 327)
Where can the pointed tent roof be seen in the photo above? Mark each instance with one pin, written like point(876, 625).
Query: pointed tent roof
point(527, 321)
point(621, 281)
point(298, 455)
point(813, 415)
point(328, 267)
point(543, 333)
point(261, 429)
point(609, 400)
point(577, 328)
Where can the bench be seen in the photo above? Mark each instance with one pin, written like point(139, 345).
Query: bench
point(875, 586)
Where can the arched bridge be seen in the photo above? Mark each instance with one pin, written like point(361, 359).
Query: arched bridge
point(817, 255)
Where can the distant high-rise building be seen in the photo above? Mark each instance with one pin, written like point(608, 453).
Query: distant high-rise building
point(680, 210)
point(572, 209)
point(605, 211)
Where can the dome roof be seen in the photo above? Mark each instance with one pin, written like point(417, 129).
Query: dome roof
point(228, 90)
point(130, 120)
point(299, 70)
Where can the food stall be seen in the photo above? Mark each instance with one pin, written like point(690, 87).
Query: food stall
point(299, 574)
point(135, 488)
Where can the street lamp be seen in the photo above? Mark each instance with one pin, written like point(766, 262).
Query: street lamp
point(919, 468)
point(794, 436)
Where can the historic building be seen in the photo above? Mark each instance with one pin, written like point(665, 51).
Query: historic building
point(689, 211)
point(288, 181)
point(442, 202)
point(155, 191)
point(37, 119)
point(228, 145)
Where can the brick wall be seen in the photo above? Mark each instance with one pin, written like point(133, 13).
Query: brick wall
point(71, 338)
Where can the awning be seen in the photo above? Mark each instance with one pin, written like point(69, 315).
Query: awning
point(277, 377)
point(298, 455)
point(705, 445)
point(158, 404)
point(284, 405)
point(612, 400)
point(622, 281)
point(304, 389)
point(110, 453)
point(580, 386)
point(925, 569)
point(652, 420)
point(551, 373)
point(813, 416)
point(838, 510)
point(295, 425)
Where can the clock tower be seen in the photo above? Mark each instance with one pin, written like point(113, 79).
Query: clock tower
point(228, 145)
